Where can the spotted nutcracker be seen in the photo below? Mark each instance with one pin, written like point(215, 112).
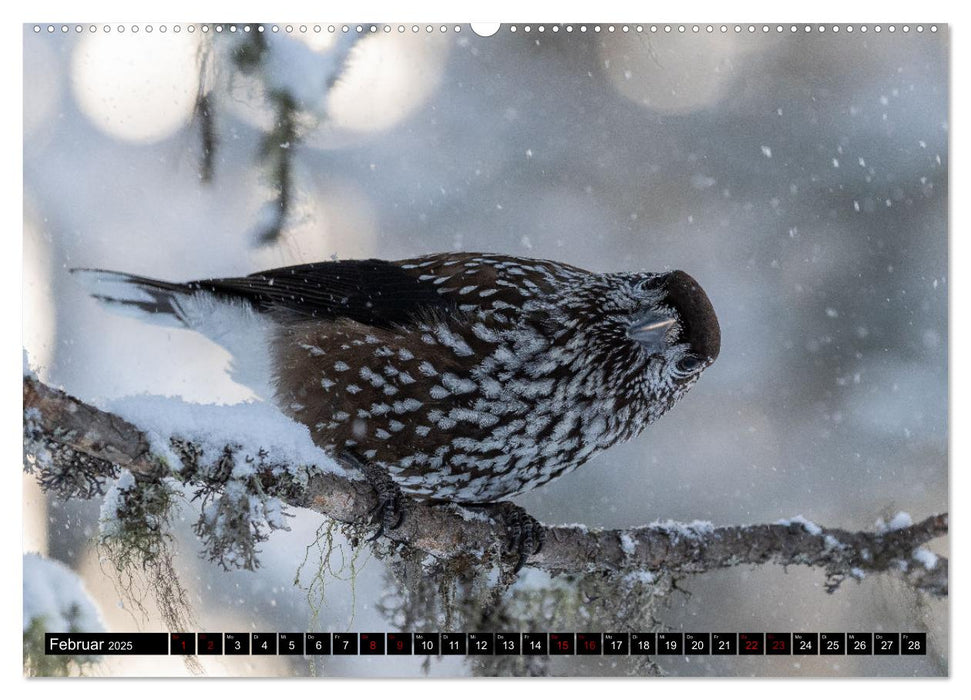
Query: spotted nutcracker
point(461, 377)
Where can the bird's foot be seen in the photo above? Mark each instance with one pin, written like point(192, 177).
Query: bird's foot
point(524, 533)
point(389, 513)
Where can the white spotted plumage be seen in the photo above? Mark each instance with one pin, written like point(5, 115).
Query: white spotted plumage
point(554, 379)
point(466, 376)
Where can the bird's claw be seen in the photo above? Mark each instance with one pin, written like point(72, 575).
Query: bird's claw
point(389, 513)
point(525, 535)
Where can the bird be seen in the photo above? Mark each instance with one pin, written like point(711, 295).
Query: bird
point(458, 377)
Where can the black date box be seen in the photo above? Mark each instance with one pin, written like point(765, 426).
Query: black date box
point(562, 643)
point(344, 644)
point(617, 643)
point(482, 643)
point(886, 643)
point(263, 643)
point(317, 643)
point(751, 643)
point(671, 643)
point(372, 643)
point(237, 643)
point(508, 643)
point(832, 643)
point(210, 643)
point(427, 643)
point(454, 644)
point(778, 643)
point(724, 643)
point(805, 643)
point(291, 643)
point(536, 644)
point(913, 643)
point(399, 643)
point(590, 643)
point(643, 643)
point(859, 643)
point(697, 643)
point(183, 643)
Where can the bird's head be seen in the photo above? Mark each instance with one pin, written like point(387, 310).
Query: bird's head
point(652, 334)
point(673, 323)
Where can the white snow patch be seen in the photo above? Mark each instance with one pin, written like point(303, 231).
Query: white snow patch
point(108, 520)
point(249, 426)
point(900, 521)
point(858, 574)
point(926, 557)
point(693, 530)
point(833, 543)
point(645, 577)
point(30, 374)
point(897, 522)
point(627, 544)
point(469, 515)
point(273, 513)
point(55, 596)
point(809, 526)
point(295, 67)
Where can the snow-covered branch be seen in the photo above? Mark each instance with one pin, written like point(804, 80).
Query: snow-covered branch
point(78, 450)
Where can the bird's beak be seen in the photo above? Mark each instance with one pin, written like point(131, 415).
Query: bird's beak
point(650, 331)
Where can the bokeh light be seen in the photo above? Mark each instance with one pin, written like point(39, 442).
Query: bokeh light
point(388, 77)
point(137, 87)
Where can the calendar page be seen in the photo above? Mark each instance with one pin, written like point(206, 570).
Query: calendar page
point(448, 350)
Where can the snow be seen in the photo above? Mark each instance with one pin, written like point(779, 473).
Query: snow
point(926, 557)
point(693, 530)
point(897, 522)
point(832, 543)
point(30, 374)
point(627, 544)
point(252, 427)
point(809, 526)
point(900, 521)
point(643, 577)
point(294, 67)
point(55, 596)
point(113, 500)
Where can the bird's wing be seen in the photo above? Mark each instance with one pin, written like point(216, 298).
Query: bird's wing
point(373, 292)
point(390, 293)
point(483, 281)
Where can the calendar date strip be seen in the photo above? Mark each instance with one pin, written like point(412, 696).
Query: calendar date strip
point(307, 644)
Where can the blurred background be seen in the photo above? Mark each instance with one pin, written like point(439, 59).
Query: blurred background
point(801, 177)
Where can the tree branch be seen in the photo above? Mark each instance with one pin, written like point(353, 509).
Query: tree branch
point(61, 429)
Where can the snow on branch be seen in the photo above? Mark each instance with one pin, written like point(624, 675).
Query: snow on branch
point(77, 450)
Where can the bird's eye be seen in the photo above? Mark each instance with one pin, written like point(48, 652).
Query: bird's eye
point(690, 364)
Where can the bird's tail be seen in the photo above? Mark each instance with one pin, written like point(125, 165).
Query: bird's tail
point(233, 323)
point(148, 299)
